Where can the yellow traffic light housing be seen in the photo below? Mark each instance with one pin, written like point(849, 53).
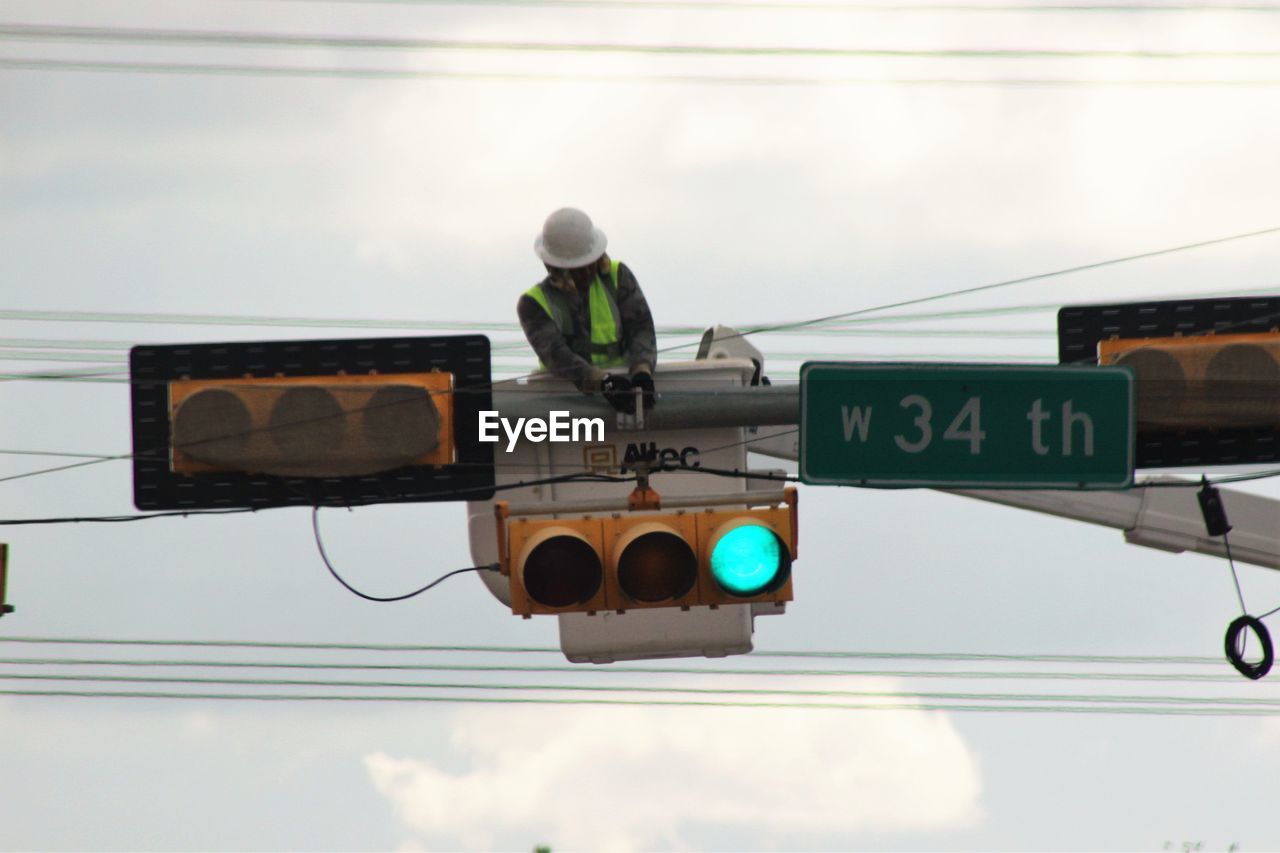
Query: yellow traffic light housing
point(1202, 396)
point(1210, 381)
point(651, 560)
point(337, 422)
point(555, 565)
point(635, 560)
point(311, 426)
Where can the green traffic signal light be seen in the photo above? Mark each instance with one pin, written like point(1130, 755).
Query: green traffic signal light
point(750, 560)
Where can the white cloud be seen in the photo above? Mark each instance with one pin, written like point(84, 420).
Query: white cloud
point(636, 778)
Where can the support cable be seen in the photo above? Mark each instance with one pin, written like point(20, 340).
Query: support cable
point(315, 527)
point(1236, 640)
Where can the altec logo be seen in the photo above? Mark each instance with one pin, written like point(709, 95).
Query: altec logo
point(603, 458)
point(659, 459)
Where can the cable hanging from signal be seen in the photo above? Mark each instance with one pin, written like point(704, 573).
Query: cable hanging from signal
point(315, 527)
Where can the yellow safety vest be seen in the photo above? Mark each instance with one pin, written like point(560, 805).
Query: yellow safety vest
point(604, 346)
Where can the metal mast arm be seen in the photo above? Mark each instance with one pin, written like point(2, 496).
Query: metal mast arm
point(1160, 517)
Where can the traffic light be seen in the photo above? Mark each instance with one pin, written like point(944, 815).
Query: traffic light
point(330, 426)
point(1202, 381)
point(746, 557)
point(632, 560)
point(1206, 372)
point(342, 422)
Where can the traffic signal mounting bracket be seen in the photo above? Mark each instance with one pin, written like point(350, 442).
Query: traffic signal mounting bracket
point(643, 496)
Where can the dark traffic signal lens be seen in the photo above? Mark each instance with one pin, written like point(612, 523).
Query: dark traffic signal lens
point(306, 423)
point(657, 566)
point(401, 422)
point(561, 571)
point(212, 425)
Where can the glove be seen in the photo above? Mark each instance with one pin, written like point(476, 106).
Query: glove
point(617, 393)
point(643, 379)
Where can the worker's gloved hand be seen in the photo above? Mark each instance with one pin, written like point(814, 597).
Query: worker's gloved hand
point(643, 380)
point(617, 392)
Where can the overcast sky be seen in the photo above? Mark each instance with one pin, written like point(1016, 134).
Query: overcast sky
point(742, 200)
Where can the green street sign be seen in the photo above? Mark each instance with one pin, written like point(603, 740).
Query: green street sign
point(966, 425)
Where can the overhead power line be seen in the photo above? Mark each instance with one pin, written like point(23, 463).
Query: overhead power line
point(585, 475)
point(1146, 710)
point(485, 490)
point(519, 364)
point(101, 456)
point(225, 38)
point(660, 689)
point(982, 288)
point(494, 649)
point(809, 6)
point(464, 326)
point(348, 73)
point(1046, 674)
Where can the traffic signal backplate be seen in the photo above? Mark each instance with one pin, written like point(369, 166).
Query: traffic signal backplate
point(157, 485)
point(1082, 327)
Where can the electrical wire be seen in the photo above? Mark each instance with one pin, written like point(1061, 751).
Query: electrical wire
point(186, 37)
point(1269, 612)
point(101, 456)
point(68, 467)
point(1213, 481)
point(733, 473)
point(841, 654)
point(514, 344)
point(586, 477)
point(680, 703)
point(497, 365)
point(660, 689)
point(167, 319)
point(82, 358)
point(315, 527)
point(965, 291)
point(114, 377)
point(810, 6)
point(624, 669)
point(96, 458)
point(843, 329)
point(401, 324)
point(350, 73)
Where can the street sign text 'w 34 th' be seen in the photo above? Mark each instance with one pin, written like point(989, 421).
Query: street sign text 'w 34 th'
point(966, 425)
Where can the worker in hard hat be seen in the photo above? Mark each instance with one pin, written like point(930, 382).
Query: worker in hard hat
point(587, 320)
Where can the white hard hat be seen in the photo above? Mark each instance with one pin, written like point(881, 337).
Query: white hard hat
point(569, 240)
